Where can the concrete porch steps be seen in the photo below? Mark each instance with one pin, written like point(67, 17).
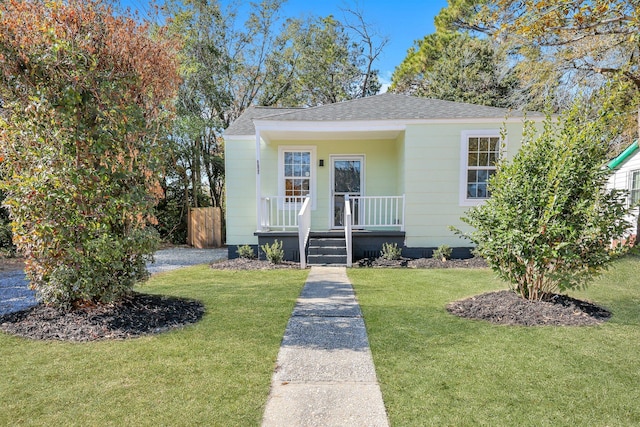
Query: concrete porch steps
point(327, 251)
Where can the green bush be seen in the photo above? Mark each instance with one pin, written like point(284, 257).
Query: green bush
point(549, 222)
point(273, 252)
point(246, 251)
point(442, 253)
point(82, 146)
point(390, 251)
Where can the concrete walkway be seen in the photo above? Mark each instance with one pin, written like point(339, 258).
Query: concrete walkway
point(324, 374)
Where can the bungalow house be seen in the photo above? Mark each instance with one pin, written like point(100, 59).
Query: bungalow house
point(626, 176)
point(337, 181)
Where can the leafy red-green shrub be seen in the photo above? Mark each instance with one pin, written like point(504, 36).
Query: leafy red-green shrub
point(85, 97)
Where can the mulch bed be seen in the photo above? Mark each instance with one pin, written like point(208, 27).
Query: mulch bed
point(475, 262)
point(135, 316)
point(507, 308)
point(251, 264)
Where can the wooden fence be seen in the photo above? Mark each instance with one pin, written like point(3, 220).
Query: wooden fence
point(204, 227)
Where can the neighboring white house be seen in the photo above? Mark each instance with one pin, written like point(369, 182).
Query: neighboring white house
point(626, 176)
point(405, 168)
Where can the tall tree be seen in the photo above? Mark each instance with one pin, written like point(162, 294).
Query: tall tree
point(86, 97)
point(589, 43)
point(224, 71)
point(371, 44)
point(321, 62)
point(456, 67)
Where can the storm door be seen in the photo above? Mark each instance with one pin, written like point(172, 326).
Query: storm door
point(347, 177)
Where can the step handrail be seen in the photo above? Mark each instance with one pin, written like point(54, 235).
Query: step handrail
point(348, 230)
point(304, 228)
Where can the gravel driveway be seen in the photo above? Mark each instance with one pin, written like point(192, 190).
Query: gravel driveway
point(15, 294)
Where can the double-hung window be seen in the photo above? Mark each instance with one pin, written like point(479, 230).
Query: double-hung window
point(480, 155)
point(297, 173)
point(634, 187)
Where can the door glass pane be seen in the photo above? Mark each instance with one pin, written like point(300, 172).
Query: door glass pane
point(347, 176)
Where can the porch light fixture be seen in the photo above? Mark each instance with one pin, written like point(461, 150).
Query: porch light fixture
point(321, 163)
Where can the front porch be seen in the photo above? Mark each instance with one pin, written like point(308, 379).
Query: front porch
point(366, 243)
point(370, 213)
point(359, 227)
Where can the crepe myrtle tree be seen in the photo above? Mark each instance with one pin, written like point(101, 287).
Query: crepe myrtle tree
point(86, 94)
point(549, 223)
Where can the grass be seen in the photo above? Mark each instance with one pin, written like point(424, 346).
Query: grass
point(216, 372)
point(437, 369)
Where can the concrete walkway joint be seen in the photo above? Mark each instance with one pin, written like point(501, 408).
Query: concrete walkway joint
point(324, 374)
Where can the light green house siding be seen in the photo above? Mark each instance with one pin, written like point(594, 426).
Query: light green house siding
point(240, 170)
point(432, 180)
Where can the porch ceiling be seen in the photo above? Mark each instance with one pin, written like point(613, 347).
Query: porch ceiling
point(269, 136)
point(301, 131)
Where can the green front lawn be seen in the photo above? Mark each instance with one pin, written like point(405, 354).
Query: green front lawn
point(437, 369)
point(217, 372)
point(434, 368)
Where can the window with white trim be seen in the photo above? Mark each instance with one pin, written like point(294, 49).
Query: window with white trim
point(296, 174)
point(634, 187)
point(480, 155)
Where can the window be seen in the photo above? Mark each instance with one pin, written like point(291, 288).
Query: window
point(480, 154)
point(296, 173)
point(634, 187)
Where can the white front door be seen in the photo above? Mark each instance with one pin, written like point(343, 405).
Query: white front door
point(347, 177)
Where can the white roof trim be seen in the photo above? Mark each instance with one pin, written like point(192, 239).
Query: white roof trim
point(328, 126)
point(369, 125)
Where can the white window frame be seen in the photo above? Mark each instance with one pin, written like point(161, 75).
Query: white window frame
point(630, 181)
point(312, 182)
point(464, 160)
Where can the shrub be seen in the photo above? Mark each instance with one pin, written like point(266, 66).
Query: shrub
point(86, 97)
point(443, 252)
point(390, 251)
point(273, 252)
point(246, 251)
point(549, 222)
point(7, 248)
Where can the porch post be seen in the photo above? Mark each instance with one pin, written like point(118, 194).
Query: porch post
point(258, 184)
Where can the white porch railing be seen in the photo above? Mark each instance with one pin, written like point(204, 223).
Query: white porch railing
point(347, 230)
point(304, 227)
point(280, 213)
point(378, 211)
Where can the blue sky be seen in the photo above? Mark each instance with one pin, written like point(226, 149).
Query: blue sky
point(403, 21)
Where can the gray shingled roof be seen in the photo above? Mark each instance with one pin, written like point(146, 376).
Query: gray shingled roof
point(387, 106)
point(243, 125)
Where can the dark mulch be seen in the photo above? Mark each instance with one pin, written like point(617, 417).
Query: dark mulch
point(507, 308)
point(251, 264)
point(475, 262)
point(382, 263)
point(136, 315)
